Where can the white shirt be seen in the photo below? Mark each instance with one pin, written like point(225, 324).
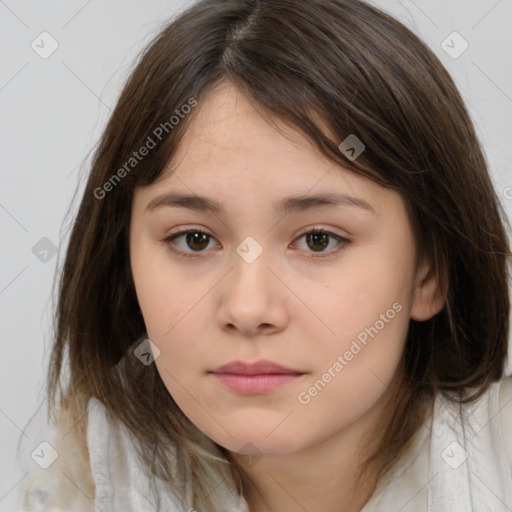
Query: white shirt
point(449, 467)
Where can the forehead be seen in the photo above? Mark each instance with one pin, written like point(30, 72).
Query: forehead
point(229, 139)
point(230, 131)
point(232, 153)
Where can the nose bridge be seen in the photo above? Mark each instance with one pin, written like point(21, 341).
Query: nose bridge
point(250, 294)
point(250, 273)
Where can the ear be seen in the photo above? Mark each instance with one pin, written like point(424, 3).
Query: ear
point(429, 294)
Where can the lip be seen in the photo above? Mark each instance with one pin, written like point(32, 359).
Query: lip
point(261, 367)
point(255, 378)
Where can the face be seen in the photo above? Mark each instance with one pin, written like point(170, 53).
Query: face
point(279, 257)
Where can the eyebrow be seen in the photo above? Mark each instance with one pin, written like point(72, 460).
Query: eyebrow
point(284, 206)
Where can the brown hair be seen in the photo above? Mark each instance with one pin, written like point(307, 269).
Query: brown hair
point(340, 64)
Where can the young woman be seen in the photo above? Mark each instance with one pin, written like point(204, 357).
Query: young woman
point(286, 287)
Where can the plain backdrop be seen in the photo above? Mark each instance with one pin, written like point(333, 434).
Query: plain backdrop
point(54, 107)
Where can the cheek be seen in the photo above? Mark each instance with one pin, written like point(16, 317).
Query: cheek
point(165, 293)
point(366, 294)
point(355, 371)
point(173, 306)
point(367, 310)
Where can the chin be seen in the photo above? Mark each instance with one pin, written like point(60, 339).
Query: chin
point(258, 443)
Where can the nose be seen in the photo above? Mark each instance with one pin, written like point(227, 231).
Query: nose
point(254, 300)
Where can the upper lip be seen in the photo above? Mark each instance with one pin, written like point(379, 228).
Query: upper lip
point(261, 367)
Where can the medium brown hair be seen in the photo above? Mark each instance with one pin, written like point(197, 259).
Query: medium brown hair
point(330, 68)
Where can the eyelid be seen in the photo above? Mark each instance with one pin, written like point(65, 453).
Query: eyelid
point(319, 228)
point(184, 230)
point(187, 228)
point(343, 241)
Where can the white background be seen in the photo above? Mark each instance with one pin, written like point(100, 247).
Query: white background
point(53, 111)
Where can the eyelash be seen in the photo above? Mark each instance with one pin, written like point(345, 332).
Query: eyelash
point(342, 242)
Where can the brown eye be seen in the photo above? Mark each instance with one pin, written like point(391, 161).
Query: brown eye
point(317, 241)
point(196, 240)
point(189, 242)
point(321, 244)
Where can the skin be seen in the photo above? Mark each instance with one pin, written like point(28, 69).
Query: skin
point(289, 305)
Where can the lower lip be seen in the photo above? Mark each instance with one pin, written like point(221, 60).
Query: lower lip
point(256, 384)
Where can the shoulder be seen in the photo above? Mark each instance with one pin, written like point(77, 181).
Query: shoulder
point(505, 408)
point(483, 425)
point(491, 416)
point(471, 451)
point(65, 481)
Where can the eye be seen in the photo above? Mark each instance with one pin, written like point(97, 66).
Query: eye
point(194, 239)
point(318, 240)
point(197, 241)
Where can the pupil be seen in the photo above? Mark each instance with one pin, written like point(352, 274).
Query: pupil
point(318, 238)
point(199, 238)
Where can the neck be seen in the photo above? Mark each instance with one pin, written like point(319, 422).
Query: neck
point(301, 483)
point(323, 477)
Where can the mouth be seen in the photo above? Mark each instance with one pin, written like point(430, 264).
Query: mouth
point(255, 378)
